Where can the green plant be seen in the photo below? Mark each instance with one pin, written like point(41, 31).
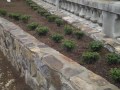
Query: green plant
point(41, 30)
point(68, 30)
point(42, 12)
point(95, 45)
point(32, 26)
point(3, 12)
point(30, 2)
point(47, 14)
point(90, 57)
point(79, 34)
point(113, 58)
point(115, 74)
point(51, 18)
point(59, 22)
point(57, 38)
point(15, 16)
point(34, 6)
point(25, 18)
point(69, 45)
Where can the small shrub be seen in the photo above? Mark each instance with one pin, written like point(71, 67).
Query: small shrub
point(79, 34)
point(47, 14)
point(41, 30)
point(95, 46)
point(32, 26)
point(59, 22)
point(30, 2)
point(57, 38)
point(25, 18)
point(3, 12)
point(42, 12)
point(15, 16)
point(90, 57)
point(69, 45)
point(51, 18)
point(113, 58)
point(10, 15)
point(33, 6)
point(68, 30)
point(115, 74)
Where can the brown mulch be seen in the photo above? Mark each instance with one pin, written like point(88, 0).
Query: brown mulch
point(101, 67)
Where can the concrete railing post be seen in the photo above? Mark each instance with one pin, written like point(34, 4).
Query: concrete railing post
point(57, 4)
point(109, 23)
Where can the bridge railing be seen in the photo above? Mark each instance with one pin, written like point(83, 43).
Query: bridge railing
point(105, 13)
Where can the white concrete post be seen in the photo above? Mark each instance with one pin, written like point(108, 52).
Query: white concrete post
point(109, 23)
point(8, 0)
point(57, 4)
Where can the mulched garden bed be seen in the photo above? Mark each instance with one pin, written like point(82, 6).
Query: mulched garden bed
point(101, 67)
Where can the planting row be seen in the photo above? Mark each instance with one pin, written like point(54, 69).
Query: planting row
point(89, 57)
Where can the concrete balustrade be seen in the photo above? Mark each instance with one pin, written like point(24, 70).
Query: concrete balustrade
point(94, 16)
point(100, 18)
point(104, 13)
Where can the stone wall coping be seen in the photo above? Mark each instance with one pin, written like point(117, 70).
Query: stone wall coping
point(109, 6)
point(78, 76)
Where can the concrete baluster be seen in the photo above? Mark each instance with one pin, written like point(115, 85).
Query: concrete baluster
point(82, 12)
point(62, 5)
point(72, 7)
point(94, 17)
point(100, 19)
point(79, 9)
point(76, 11)
point(65, 5)
point(69, 6)
point(88, 13)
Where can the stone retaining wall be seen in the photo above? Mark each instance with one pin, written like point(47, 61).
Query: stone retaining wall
point(43, 67)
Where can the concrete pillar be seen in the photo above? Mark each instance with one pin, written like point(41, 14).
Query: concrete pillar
point(109, 21)
point(116, 32)
point(57, 4)
point(8, 0)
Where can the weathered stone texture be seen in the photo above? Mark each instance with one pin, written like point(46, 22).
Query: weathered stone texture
point(43, 67)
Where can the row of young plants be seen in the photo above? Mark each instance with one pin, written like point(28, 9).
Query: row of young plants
point(88, 57)
point(42, 12)
point(15, 16)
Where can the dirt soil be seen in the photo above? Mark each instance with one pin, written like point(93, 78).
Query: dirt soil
point(100, 67)
point(10, 79)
